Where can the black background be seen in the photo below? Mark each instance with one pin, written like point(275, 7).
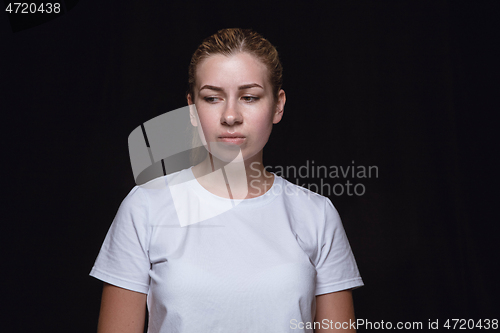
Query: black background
point(408, 86)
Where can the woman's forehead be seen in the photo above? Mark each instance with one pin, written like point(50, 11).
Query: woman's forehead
point(241, 68)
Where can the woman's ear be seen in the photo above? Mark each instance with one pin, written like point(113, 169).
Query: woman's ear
point(280, 107)
point(192, 111)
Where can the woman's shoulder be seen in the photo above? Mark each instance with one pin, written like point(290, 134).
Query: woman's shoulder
point(159, 186)
point(301, 196)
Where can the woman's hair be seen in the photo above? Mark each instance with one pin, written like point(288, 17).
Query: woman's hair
point(232, 41)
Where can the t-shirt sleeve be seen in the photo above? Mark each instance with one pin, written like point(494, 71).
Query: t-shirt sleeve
point(123, 260)
point(336, 267)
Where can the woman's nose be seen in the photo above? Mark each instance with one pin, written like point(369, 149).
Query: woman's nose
point(231, 115)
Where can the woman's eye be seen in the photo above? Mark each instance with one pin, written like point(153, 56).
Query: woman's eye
point(210, 99)
point(250, 98)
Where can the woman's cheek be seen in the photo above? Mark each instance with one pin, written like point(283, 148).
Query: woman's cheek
point(206, 125)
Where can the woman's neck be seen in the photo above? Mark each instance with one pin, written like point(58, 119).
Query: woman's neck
point(243, 179)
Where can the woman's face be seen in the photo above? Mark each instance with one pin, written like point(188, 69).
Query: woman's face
point(235, 103)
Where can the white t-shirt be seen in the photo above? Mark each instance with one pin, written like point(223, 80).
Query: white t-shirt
point(253, 267)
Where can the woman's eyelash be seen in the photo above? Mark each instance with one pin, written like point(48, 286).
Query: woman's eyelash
point(210, 99)
point(250, 98)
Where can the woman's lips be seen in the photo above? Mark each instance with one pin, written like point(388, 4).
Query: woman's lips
point(235, 139)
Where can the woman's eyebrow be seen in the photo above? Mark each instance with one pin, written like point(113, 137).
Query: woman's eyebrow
point(245, 86)
point(248, 86)
point(207, 86)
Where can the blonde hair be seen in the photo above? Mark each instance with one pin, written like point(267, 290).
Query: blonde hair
point(229, 42)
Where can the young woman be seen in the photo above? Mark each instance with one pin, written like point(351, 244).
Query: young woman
point(273, 257)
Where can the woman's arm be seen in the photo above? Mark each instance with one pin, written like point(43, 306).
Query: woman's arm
point(122, 310)
point(335, 308)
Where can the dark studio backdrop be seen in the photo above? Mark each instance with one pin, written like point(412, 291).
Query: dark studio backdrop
point(410, 87)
